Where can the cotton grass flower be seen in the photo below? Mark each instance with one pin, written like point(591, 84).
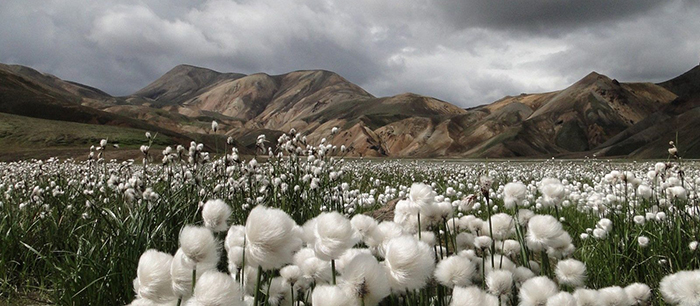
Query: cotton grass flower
point(639, 293)
point(472, 296)
point(271, 238)
point(215, 213)
point(215, 288)
point(536, 291)
point(333, 235)
point(331, 295)
point(455, 271)
point(586, 297)
point(366, 280)
point(561, 299)
point(514, 194)
point(198, 245)
point(571, 272)
point(153, 280)
point(613, 296)
point(499, 282)
point(409, 263)
point(681, 288)
point(541, 230)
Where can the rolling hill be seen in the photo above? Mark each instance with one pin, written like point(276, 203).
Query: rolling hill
point(596, 115)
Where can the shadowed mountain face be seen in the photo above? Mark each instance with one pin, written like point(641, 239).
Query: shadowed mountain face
point(594, 115)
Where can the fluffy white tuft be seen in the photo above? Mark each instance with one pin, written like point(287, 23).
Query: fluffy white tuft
point(639, 293)
point(613, 296)
point(514, 194)
point(365, 280)
point(198, 244)
point(215, 213)
point(331, 295)
point(333, 235)
point(681, 288)
point(153, 277)
point(455, 271)
point(561, 299)
point(571, 272)
point(472, 296)
point(216, 288)
point(586, 297)
point(536, 291)
point(271, 238)
point(409, 263)
point(499, 282)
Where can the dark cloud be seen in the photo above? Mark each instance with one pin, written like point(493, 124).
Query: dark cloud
point(542, 16)
point(464, 52)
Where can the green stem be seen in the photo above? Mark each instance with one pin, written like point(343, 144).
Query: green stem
point(194, 277)
point(257, 286)
point(333, 270)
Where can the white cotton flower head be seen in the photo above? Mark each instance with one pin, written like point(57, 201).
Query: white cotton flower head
point(586, 297)
point(153, 277)
point(455, 271)
point(427, 237)
point(514, 194)
point(472, 296)
point(483, 242)
point(521, 274)
point(234, 257)
point(643, 241)
point(677, 192)
point(524, 216)
point(198, 244)
point(536, 291)
point(364, 225)
point(331, 295)
point(561, 299)
point(406, 214)
point(409, 263)
point(333, 235)
point(271, 238)
point(571, 272)
point(552, 190)
point(644, 192)
point(613, 296)
point(511, 247)
point(499, 282)
point(639, 293)
point(365, 279)
point(181, 273)
point(681, 288)
point(422, 195)
point(279, 292)
point(386, 231)
point(216, 288)
point(502, 225)
point(235, 237)
point(312, 266)
point(541, 230)
point(215, 213)
point(214, 126)
point(348, 256)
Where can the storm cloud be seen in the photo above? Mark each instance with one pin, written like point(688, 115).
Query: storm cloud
point(465, 52)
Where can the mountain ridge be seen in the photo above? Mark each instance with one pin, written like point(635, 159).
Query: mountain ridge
point(595, 115)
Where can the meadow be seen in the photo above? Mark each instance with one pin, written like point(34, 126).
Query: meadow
point(299, 224)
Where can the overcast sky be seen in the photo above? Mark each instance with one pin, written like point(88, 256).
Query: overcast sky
point(464, 52)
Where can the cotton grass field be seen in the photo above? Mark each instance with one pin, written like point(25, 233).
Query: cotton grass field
point(301, 225)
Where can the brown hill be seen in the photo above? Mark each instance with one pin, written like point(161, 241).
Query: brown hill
point(594, 115)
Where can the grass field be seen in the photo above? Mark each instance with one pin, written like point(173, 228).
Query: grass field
point(76, 233)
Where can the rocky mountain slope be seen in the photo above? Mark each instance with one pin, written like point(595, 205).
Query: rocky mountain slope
point(596, 115)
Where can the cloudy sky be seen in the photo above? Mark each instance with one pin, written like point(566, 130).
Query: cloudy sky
point(467, 52)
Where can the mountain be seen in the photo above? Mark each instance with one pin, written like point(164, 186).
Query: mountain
point(30, 94)
point(595, 115)
point(677, 121)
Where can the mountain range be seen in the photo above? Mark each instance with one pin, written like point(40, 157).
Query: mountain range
point(596, 115)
